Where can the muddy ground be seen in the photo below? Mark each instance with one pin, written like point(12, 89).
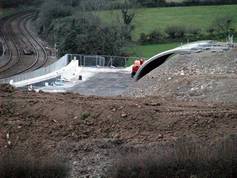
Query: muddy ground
point(197, 98)
point(92, 131)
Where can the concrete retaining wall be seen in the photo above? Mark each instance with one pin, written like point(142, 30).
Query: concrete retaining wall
point(62, 62)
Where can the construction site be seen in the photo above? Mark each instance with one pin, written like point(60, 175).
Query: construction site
point(88, 110)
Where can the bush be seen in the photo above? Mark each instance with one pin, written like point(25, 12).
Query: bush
point(175, 31)
point(14, 3)
point(184, 159)
point(143, 38)
point(88, 35)
point(223, 26)
point(81, 34)
point(163, 3)
point(17, 165)
point(85, 115)
point(193, 33)
point(49, 11)
point(223, 160)
point(154, 37)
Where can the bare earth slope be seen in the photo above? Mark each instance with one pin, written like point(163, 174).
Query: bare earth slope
point(189, 95)
point(90, 131)
point(205, 76)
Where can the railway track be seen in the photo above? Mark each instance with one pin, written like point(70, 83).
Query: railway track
point(41, 56)
point(16, 39)
point(8, 40)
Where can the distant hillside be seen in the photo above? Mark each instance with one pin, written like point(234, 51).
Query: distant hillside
point(149, 19)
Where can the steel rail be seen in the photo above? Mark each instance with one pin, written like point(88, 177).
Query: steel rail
point(7, 39)
point(43, 50)
point(28, 35)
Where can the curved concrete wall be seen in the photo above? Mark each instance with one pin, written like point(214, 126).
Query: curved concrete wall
point(160, 58)
point(152, 63)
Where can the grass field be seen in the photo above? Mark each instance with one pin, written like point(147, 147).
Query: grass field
point(148, 51)
point(148, 19)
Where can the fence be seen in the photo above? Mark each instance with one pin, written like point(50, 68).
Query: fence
point(83, 60)
point(39, 72)
point(102, 60)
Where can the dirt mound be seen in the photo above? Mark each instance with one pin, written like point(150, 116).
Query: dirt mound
point(6, 88)
point(91, 131)
point(205, 76)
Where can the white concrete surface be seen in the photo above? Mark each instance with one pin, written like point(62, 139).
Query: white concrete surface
point(68, 73)
point(87, 74)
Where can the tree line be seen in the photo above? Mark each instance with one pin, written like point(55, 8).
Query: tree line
point(164, 3)
point(16, 3)
point(83, 32)
point(220, 28)
point(118, 4)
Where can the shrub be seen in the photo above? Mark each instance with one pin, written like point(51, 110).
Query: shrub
point(49, 11)
point(143, 38)
point(155, 36)
point(223, 26)
point(161, 3)
point(175, 31)
point(13, 3)
point(193, 33)
point(85, 115)
point(17, 165)
point(223, 160)
point(211, 32)
point(88, 35)
point(185, 158)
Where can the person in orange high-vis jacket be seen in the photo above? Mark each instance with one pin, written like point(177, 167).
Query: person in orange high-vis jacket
point(135, 67)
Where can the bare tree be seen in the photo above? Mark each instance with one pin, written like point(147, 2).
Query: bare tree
point(127, 13)
point(224, 25)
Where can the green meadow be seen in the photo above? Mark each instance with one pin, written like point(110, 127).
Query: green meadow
point(148, 51)
point(148, 19)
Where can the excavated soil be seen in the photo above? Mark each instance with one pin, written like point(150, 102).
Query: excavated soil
point(190, 95)
point(90, 132)
point(205, 76)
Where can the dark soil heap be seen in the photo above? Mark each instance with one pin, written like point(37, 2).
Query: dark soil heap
point(192, 95)
point(91, 131)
